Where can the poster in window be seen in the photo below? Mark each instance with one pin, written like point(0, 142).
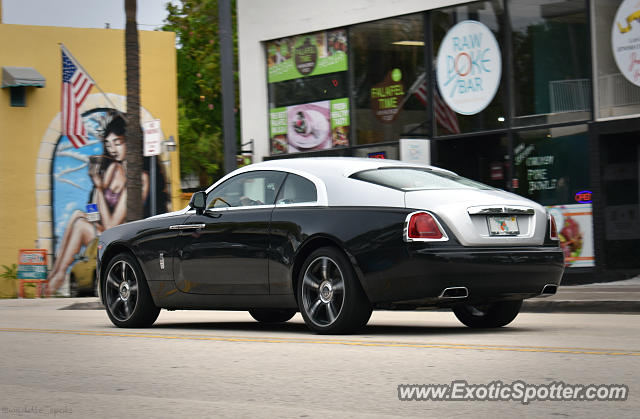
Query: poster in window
point(575, 233)
point(309, 126)
point(307, 55)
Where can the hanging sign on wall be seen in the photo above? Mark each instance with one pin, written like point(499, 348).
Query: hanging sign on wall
point(625, 40)
point(469, 67)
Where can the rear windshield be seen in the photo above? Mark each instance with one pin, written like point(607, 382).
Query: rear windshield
point(415, 179)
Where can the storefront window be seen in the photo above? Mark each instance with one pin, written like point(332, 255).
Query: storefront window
point(551, 167)
point(308, 93)
point(551, 71)
point(617, 43)
point(482, 160)
point(389, 79)
point(467, 58)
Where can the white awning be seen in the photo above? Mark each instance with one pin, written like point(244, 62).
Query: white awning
point(21, 76)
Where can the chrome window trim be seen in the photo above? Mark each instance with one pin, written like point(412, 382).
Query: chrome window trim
point(244, 207)
point(298, 204)
point(408, 239)
point(500, 210)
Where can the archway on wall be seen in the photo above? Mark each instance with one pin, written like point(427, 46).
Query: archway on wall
point(64, 186)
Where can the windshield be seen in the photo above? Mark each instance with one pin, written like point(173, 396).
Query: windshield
point(414, 178)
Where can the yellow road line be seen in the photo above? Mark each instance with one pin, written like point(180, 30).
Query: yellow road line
point(539, 349)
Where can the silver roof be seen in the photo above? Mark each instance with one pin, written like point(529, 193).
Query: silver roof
point(331, 177)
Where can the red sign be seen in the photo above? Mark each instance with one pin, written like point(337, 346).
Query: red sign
point(32, 264)
point(32, 257)
point(497, 172)
point(378, 155)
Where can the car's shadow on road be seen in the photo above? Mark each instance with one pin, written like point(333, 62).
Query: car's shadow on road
point(295, 328)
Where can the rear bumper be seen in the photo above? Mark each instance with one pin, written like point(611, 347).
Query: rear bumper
point(489, 274)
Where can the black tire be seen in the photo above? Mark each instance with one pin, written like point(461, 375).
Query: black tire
point(73, 287)
point(130, 304)
point(272, 315)
point(487, 316)
point(330, 297)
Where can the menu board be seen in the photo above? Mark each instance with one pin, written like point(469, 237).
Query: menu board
point(307, 55)
point(309, 126)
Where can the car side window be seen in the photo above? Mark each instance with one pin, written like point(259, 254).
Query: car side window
point(297, 190)
point(246, 189)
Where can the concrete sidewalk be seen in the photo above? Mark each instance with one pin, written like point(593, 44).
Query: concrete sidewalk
point(607, 297)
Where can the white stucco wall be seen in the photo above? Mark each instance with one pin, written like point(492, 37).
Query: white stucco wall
point(260, 20)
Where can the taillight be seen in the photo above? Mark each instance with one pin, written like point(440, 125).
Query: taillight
point(553, 229)
point(422, 226)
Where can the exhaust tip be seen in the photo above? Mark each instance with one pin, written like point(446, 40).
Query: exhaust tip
point(549, 289)
point(454, 292)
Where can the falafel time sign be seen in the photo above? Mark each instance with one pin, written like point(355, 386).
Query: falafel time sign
point(469, 67)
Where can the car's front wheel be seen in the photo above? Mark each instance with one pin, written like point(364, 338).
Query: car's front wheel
point(330, 297)
point(127, 296)
point(272, 315)
point(491, 315)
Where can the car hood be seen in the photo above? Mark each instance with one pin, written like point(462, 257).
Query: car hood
point(452, 207)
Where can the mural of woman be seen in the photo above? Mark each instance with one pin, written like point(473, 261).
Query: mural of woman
point(108, 173)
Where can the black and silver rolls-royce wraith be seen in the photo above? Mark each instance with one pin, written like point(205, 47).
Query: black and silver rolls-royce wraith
point(334, 238)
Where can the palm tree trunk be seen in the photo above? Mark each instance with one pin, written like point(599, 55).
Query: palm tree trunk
point(134, 132)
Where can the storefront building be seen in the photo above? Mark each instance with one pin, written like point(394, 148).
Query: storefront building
point(48, 183)
point(539, 97)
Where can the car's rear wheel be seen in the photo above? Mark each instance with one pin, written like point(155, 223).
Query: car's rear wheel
point(490, 315)
point(127, 296)
point(330, 297)
point(272, 315)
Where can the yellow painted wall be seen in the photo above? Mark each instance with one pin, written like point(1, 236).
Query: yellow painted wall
point(101, 53)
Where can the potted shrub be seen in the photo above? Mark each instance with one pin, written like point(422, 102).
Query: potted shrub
point(9, 281)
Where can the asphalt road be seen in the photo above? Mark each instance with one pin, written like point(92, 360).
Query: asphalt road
point(73, 363)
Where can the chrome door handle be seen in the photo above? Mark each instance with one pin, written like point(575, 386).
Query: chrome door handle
point(186, 226)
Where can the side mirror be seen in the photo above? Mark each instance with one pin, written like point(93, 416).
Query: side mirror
point(198, 201)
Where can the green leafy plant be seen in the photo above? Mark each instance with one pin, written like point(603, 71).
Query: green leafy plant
point(8, 281)
point(10, 272)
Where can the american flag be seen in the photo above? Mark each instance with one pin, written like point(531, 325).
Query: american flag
point(76, 85)
point(445, 116)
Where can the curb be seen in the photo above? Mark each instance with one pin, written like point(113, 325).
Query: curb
point(528, 306)
point(576, 306)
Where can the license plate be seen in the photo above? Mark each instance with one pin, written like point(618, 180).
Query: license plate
point(503, 225)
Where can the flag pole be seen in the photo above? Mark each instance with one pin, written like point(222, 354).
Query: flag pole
point(414, 87)
point(72, 58)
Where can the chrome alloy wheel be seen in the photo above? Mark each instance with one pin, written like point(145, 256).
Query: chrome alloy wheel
point(121, 290)
point(323, 291)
